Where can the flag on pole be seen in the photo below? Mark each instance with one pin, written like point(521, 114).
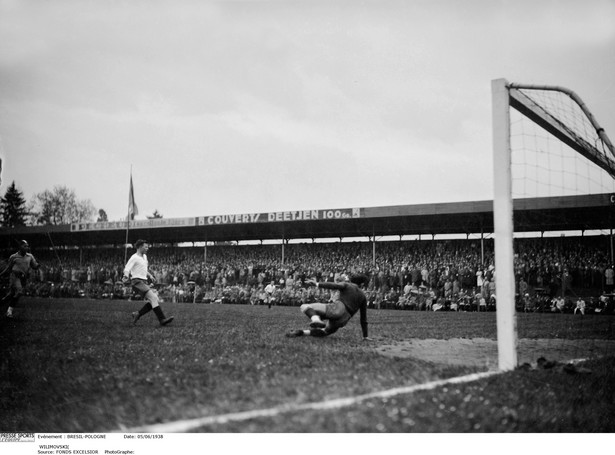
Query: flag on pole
point(132, 206)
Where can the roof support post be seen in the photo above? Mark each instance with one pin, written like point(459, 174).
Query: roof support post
point(373, 250)
point(482, 247)
point(612, 257)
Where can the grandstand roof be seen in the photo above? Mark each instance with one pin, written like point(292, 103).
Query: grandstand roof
point(565, 213)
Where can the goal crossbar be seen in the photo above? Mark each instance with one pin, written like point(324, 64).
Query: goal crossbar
point(526, 106)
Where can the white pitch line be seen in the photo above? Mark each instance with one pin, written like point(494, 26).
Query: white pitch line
point(183, 426)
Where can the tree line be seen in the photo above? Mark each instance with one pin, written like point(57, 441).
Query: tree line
point(50, 207)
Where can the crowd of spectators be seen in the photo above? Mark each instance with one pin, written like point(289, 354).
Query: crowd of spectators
point(414, 275)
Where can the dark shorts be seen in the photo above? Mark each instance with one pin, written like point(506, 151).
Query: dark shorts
point(140, 286)
point(337, 316)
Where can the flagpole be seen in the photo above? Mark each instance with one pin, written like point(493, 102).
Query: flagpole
point(128, 217)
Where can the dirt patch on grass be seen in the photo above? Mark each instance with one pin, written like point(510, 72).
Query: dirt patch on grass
point(483, 352)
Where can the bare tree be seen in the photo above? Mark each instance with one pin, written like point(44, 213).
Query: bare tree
point(60, 206)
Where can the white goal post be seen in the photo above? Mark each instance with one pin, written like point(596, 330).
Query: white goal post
point(598, 149)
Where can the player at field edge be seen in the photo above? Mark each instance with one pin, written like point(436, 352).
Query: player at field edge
point(351, 300)
point(19, 266)
point(136, 271)
point(269, 291)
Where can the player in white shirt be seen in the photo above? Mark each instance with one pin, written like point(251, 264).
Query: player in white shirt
point(269, 292)
point(137, 271)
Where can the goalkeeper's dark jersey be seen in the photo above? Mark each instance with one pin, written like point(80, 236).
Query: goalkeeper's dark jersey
point(353, 299)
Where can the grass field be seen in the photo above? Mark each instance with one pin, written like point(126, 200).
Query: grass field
point(81, 366)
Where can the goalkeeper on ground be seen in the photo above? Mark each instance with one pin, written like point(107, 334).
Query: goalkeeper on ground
point(337, 313)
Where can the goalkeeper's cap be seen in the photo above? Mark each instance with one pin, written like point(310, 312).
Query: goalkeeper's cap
point(359, 279)
point(23, 243)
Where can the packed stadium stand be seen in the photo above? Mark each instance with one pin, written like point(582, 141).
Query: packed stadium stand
point(420, 274)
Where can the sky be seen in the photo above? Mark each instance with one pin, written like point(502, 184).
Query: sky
point(234, 107)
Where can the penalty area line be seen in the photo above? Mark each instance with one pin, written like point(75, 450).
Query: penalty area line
point(183, 426)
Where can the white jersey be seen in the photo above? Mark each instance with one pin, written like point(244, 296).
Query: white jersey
point(270, 289)
point(136, 267)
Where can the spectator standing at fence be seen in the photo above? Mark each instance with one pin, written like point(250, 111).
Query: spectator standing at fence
point(456, 286)
point(407, 289)
point(557, 305)
point(492, 286)
point(580, 306)
point(424, 275)
point(479, 280)
point(18, 267)
point(523, 286)
point(448, 289)
point(137, 271)
point(609, 276)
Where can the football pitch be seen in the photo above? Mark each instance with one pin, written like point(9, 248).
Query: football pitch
point(81, 366)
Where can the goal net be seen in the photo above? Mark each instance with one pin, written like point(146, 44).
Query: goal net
point(554, 177)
